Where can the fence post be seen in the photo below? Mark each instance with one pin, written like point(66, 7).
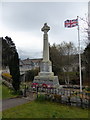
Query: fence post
point(25, 91)
point(76, 98)
point(37, 91)
point(81, 99)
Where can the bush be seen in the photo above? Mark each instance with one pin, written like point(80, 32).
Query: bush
point(17, 92)
point(57, 98)
point(31, 74)
point(40, 98)
point(7, 75)
point(87, 88)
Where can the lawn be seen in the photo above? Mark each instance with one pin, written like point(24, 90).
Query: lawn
point(0, 91)
point(37, 109)
point(0, 100)
point(7, 93)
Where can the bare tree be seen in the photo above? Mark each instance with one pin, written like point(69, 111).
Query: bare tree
point(68, 51)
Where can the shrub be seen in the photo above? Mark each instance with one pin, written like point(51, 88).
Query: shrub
point(6, 75)
point(17, 93)
point(87, 88)
point(57, 97)
point(31, 73)
point(40, 98)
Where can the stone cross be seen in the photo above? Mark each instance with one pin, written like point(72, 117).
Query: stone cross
point(45, 29)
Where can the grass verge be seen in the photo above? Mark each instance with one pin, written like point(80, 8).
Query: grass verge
point(45, 109)
point(8, 93)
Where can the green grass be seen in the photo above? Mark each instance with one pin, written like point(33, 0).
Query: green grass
point(0, 91)
point(45, 109)
point(0, 115)
point(7, 93)
point(0, 99)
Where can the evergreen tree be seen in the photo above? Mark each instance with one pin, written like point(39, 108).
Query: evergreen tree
point(87, 61)
point(10, 58)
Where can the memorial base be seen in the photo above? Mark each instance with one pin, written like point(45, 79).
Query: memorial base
point(50, 80)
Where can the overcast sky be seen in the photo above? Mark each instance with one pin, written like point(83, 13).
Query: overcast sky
point(22, 21)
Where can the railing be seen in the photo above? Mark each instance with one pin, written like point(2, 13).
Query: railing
point(66, 96)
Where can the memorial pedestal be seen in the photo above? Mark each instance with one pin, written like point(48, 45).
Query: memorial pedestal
point(50, 80)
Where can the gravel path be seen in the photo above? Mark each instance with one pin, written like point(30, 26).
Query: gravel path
point(9, 103)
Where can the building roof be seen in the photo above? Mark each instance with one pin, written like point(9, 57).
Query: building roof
point(36, 60)
point(30, 61)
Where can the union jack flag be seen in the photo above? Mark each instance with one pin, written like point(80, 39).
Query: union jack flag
point(71, 23)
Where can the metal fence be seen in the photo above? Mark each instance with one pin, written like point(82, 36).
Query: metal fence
point(67, 96)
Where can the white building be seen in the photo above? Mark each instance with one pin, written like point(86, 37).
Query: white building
point(28, 64)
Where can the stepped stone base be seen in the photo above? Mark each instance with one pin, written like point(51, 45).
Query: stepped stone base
point(49, 79)
point(46, 75)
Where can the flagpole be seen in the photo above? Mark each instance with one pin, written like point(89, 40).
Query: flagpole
point(79, 57)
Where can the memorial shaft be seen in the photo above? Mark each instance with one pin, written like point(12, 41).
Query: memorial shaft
point(45, 48)
point(45, 29)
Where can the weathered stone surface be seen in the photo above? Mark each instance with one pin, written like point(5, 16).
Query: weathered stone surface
point(52, 80)
point(45, 29)
point(46, 75)
point(46, 66)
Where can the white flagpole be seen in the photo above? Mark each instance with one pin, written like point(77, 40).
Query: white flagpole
point(79, 58)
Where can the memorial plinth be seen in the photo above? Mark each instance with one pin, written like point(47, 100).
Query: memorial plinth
point(46, 75)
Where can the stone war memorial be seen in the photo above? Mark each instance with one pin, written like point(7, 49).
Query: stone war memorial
point(46, 75)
